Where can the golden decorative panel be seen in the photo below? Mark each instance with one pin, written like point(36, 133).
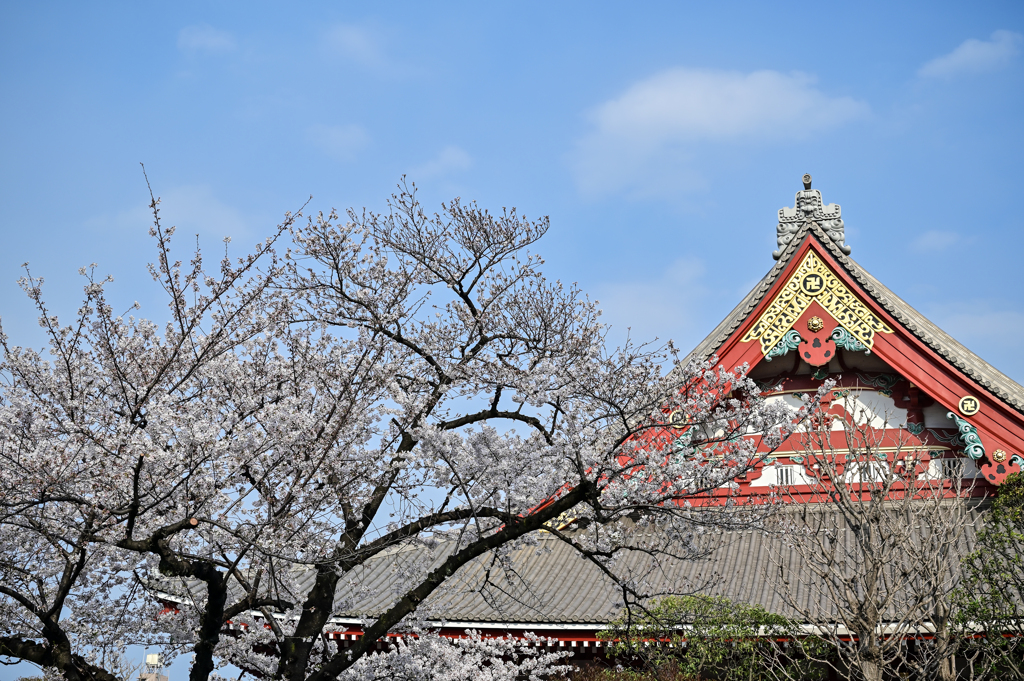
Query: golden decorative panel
point(811, 281)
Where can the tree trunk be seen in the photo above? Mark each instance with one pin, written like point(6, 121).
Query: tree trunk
point(947, 669)
point(871, 671)
point(211, 622)
point(316, 610)
point(869, 658)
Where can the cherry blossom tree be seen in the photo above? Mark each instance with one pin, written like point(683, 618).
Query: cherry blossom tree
point(389, 381)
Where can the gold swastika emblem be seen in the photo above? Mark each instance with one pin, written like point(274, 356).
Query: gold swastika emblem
point(812, 284)
point(969, 405)
point(813, 280)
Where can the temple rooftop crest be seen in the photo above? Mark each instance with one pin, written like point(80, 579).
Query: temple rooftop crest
point(808, 208)
point(829, 317)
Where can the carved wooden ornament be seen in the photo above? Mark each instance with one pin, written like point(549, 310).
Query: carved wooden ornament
point(814, 282)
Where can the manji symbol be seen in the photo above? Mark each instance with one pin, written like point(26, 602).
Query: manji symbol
point(969, 405)
point(812, 284)
point(812, 281)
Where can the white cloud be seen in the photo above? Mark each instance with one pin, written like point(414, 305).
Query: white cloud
point(192, 209)
point(195, 210)
point(450, 160)
point(342, 142)
point(695, 103)
point(991, 328)
point(975, 56)
point(666, 307)
point(356, 43)
point(982, 324)
point(204, 38)
point(980, 321)
point(647, 140)
point(934, 241)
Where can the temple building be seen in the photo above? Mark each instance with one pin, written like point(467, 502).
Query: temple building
point(816, 315)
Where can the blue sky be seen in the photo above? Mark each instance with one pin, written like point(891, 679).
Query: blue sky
point(661, 139)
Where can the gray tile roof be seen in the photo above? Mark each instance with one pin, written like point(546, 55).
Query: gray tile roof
point(551, 584)
point(972, 366)
point(546, 583)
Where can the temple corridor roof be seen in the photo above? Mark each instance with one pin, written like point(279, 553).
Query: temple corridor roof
point(551, 584)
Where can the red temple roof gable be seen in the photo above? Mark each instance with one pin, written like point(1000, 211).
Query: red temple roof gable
point(820, 313)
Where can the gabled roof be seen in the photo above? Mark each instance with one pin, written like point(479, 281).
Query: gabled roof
point(947, 347)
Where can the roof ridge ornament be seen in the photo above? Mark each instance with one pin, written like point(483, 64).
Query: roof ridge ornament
point(808, 208)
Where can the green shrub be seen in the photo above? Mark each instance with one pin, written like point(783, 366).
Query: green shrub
point(691, 637)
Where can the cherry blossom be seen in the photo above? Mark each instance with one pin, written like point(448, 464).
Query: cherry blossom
point(212, 484)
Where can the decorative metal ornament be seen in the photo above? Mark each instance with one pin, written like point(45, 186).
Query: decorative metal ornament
point(999, 456)
point(969, 436)
point(812, 284)
point(813, 281)
point(969, 405)
point(814, 324)
point(678, 419)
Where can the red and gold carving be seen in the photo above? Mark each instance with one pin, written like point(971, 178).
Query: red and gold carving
point(813, 282)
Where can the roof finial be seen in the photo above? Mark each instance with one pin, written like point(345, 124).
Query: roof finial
point(808, 209)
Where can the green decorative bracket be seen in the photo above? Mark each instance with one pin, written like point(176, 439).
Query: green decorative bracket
point(774, 459)
point(969, 435)
point(845, 340)
point(915, 428)
point(682, 443)
point(822, 373)
point(948, 439)
point(791, 341)
point(884, 382)
point(1016, 460)
point(770, 385)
